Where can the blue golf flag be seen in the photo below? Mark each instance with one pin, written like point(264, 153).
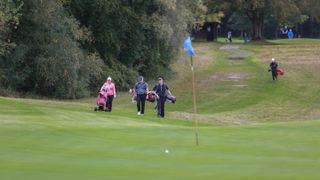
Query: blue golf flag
point(187, 45)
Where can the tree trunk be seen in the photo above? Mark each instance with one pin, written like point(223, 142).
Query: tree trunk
point(257, 19)
point(277, 32)
point(215, 32)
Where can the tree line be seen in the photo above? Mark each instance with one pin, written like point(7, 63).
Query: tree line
point(265, 18)
point(67, 48)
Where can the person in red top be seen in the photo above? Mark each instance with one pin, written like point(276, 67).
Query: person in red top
point(110, 89)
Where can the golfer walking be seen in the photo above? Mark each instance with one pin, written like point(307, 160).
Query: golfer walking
point(141, 90)
point(229, 36)
point(274, 69)
point(110, 90)
point(161, 91)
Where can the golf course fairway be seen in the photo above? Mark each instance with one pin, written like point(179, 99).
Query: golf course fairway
point(250, 127)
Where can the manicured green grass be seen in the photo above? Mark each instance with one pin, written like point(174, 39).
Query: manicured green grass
point(297, 41)
point(39, 141)
point(276, 136)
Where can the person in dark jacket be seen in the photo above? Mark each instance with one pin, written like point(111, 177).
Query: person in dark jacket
point(161, 91)
point(274, 69)
point(141, 90)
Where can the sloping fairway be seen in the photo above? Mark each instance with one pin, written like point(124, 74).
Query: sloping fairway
point(252, 128)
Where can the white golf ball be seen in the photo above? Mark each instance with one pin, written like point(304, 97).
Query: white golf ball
point(166, 151)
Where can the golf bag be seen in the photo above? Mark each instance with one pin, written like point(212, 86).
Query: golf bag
point(171, 99)
point(151, 97)
point(101, 101)
point(280, 72)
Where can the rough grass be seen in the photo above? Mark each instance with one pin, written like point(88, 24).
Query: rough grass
point(253, 96)
point(251, 127)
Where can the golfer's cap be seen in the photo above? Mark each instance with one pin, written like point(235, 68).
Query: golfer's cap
point(273, 59)
point(140, 78)
point(160, 78)
point(109, 79)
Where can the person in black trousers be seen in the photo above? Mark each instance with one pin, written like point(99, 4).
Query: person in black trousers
point(161, 91)
point(110, 90)
point(141, 90)
point(274, 69)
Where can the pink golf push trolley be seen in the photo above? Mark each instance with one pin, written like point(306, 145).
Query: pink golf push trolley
point(101, 101)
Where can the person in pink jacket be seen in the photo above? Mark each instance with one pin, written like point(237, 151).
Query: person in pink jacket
point(110, 89)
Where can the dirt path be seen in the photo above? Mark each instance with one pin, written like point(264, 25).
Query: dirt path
point(235, 52)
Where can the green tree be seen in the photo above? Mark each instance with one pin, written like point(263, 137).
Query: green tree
point(257, 10)
point(47, 59)
point(9, 20)
point(310, 8)
point(138, 36)
point(58, 57)
point(240, 22)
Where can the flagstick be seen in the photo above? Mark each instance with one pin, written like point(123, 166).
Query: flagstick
point(194, 104)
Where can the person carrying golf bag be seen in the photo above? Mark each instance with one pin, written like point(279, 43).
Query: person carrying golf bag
point(161, 91)
point(274, 69)
point(141, 90)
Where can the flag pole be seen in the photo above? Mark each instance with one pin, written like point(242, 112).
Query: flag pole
point(194, 104)
point(188, 46)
